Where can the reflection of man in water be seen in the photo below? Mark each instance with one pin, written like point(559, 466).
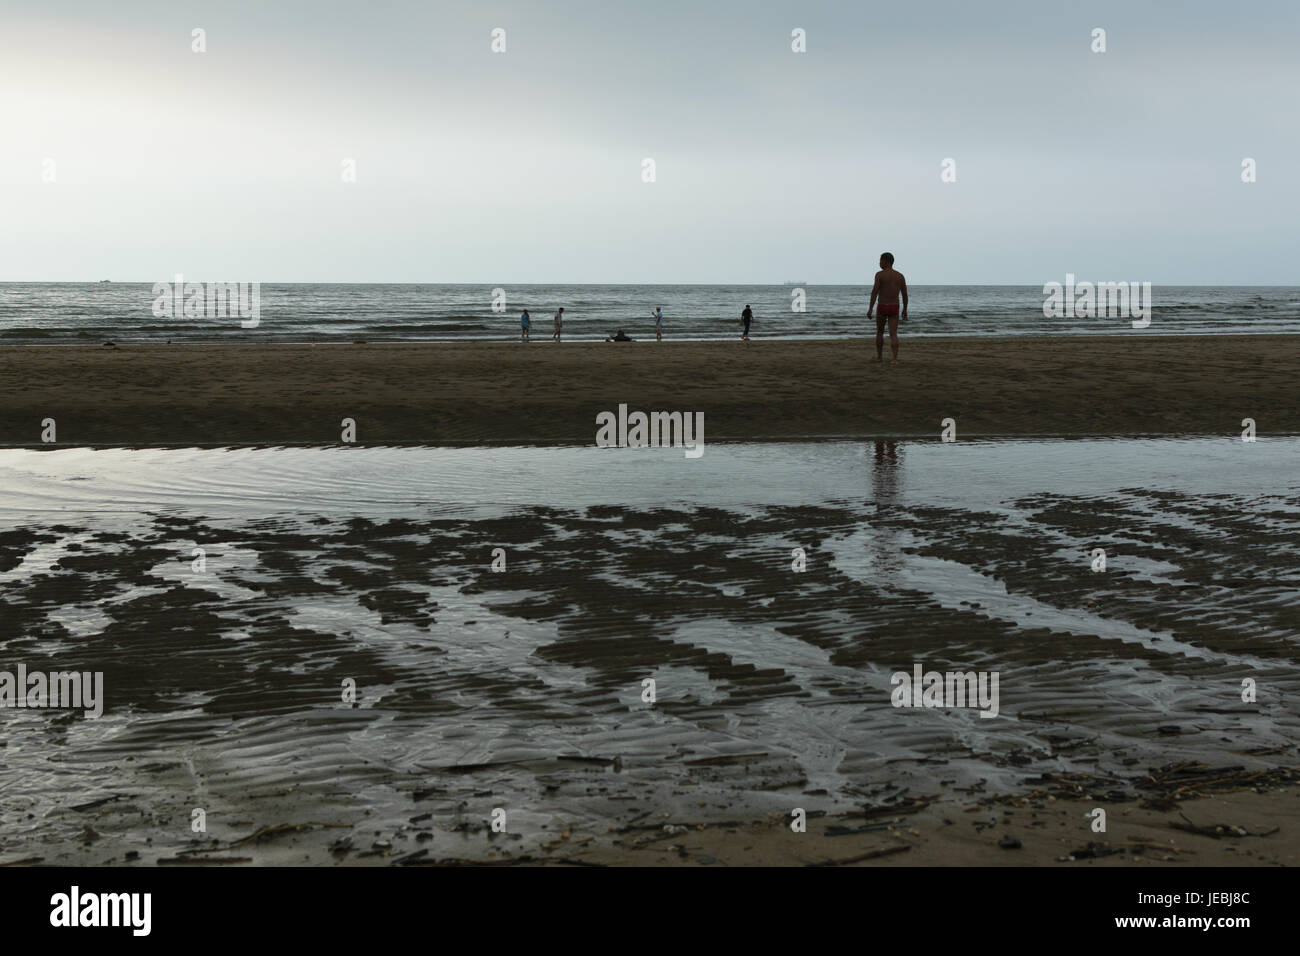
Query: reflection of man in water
point(886, 473)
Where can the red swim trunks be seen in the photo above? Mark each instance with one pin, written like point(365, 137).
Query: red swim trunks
point(886, 310)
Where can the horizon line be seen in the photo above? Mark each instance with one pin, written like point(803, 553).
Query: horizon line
point(784, 284)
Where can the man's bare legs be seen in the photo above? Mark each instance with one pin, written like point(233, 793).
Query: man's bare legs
point(880, 337)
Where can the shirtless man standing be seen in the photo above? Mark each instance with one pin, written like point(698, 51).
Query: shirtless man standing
point(890, 284)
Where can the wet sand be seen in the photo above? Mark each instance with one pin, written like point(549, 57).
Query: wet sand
point(1238, 822)
point(542, 392)
point(520, 690)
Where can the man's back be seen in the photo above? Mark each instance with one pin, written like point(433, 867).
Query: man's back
point(889, 284)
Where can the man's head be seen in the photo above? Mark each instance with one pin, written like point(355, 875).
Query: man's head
point(886, 260)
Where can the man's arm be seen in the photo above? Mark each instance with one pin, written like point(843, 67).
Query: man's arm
point(902, 287)
point(875, 292)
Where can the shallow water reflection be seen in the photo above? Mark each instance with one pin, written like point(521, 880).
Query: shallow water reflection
point(374, 565)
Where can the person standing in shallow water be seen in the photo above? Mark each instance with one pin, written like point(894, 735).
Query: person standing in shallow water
point(525, 326)
point(889, 285)
point(747, 316)
point(559, 323)
point(659, 323)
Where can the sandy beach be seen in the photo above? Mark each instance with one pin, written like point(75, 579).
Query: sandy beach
point(547, 393)
point(519, 691)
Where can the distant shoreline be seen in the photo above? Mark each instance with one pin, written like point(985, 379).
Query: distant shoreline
point(640, 337)
point(38, 314)
point(769, 390)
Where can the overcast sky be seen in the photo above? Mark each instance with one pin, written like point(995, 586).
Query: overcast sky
point(771, 165)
